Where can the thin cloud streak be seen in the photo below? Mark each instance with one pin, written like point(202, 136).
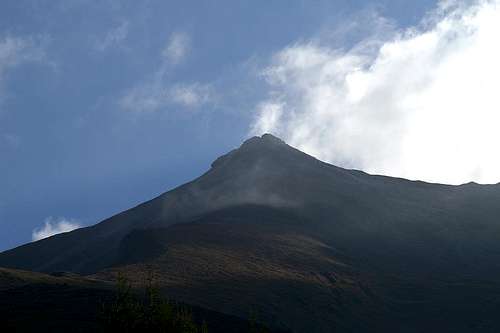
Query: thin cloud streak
point(156, 93)
point(177, 48)
point(114, 37)
point(154, 97)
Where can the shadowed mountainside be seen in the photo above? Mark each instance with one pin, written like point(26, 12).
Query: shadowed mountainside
point(310, 246)
point(66, 302)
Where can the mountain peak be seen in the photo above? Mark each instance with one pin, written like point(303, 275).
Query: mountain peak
point(271, 138)
point(266, 138)
point(255, 146)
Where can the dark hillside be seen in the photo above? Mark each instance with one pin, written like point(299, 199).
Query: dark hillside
point(312, 247)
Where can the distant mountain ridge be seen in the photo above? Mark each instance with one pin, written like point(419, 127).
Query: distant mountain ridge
point(310, 245)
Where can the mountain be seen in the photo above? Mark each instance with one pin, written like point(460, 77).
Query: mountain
point(308, 246)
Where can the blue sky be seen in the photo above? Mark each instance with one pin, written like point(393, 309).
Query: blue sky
point(105, 104)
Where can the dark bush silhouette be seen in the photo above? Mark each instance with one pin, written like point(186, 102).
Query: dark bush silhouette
point(151, 313)
point(254, 325)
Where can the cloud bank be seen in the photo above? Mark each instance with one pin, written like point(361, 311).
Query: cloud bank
point(421, 103)
point(53, 226)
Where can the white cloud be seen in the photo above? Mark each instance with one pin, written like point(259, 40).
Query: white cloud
point(269, 117)
point(145, 97)
point(53, 226)
point(421, 104)
point(152, 97)
point(157, 93)
point(113, 37)
point(177, 48)
point(191, 95)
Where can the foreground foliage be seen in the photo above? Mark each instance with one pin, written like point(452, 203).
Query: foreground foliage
point(151, 313)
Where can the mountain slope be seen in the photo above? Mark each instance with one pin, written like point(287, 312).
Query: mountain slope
point(308, 245)
point(341, 203)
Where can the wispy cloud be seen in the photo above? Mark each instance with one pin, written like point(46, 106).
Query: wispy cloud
point(114, 37)
point(191, 95)
point(421, 103)
point(53, 226)
point(269, 117)
point(155, 97)
point(145, 97)
point(177, 48)
point(157, 92)
point(15, 51)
